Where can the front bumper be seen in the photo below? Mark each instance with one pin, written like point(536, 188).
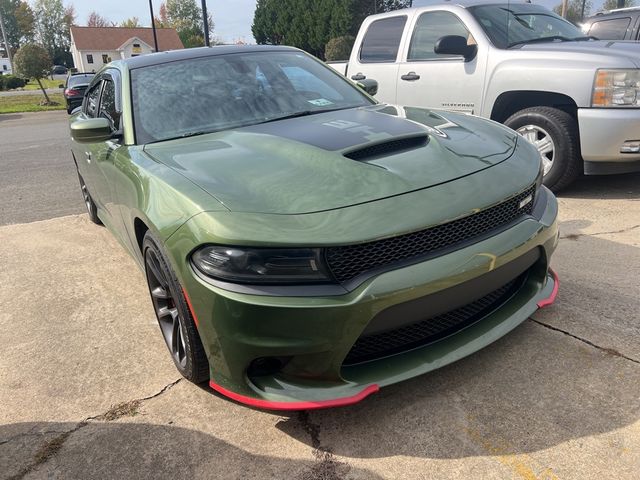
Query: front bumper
point(603, 131)
point(316, 333)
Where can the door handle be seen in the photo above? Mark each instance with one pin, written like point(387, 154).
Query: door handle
point(409, 77)
point(358, 76)
point(88, 156)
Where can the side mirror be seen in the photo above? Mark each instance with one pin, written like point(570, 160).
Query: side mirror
point(369, 85)
point(90, 130)
point(455, 45)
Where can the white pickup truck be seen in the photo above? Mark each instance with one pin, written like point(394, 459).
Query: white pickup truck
point(576, 98)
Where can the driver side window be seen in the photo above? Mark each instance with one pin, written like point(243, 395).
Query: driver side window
point(108, 107)
point(430, 27)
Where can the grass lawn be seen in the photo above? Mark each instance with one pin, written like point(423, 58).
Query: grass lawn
point(29, 103)
point(46, 83)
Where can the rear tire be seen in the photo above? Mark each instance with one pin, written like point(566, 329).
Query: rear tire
point(555, 133)
point(92, 210)
point(174, 317)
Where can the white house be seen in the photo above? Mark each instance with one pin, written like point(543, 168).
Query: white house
point(93, 47)
point(5, 66)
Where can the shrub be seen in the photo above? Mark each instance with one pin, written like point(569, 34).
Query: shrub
point(339, 48)
point(9, 82)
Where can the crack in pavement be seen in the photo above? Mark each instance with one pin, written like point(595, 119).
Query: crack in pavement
point(52, 447)
point(575, 236)
point(326, 467)
point(607, 350)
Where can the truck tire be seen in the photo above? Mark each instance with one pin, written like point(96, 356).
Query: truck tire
point(555, 133)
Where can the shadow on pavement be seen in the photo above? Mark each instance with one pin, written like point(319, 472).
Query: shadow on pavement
point(140, 450)
point(626, 185)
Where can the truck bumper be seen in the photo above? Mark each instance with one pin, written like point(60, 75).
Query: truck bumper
point(603, 134)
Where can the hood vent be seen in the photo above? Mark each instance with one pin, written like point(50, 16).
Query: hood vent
point(384, 149)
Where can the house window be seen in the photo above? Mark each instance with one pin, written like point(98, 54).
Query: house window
point(105, 58)
point(89, 58)
point(4, 67)
point(136, 45)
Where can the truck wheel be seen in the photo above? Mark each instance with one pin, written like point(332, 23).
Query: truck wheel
point(555, 135)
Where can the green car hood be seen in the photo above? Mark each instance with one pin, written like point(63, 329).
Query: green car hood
point(335, 159)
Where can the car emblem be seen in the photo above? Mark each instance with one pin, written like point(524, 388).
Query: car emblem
point(525, 201)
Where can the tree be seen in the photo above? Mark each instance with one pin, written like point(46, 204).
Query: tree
point(132, 22)
point(339, 48)
point(52, 28)
point(612, 4)
point(33, 61)
point(18, 22)
point(186, 17)
point(306, 24)
point(574, 10)
point(96, 20)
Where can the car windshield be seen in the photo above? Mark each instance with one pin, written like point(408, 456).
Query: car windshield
point(509, 25)
point(213, 93)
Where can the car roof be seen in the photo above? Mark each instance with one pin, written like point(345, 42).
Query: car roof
point(175, 55)
point(617, 12)
point(463, 3)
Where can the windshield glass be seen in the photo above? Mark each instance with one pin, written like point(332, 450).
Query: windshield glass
point(208, 94)
point(516, 24)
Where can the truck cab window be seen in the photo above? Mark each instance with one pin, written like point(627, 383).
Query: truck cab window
point(430, 27)
point(614, 29)
point(382, 40)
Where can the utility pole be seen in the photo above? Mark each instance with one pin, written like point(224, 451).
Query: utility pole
point(565, 7)
point(153, 27)
point(6, 44)
point(205, 22)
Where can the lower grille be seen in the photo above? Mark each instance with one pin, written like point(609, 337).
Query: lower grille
point(427, 331)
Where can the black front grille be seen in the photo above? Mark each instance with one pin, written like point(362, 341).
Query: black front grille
point(349, 261)
point(430, 330)
point(388, 148)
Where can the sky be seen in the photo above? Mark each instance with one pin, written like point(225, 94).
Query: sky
point(232, 18)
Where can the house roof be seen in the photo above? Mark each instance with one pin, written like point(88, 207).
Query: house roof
point(111, 38)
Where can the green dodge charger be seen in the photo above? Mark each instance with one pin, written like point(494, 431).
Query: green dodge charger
point(303, 244)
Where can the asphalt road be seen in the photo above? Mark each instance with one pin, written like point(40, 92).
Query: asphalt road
point(88, 390)
point(37, 174)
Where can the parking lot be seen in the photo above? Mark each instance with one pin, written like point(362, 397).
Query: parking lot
point(87, 389)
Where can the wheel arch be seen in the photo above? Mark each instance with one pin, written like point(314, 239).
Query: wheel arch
point(513, 101)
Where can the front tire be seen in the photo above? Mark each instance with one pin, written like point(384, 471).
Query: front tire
point(555, 134)
point(174, 317)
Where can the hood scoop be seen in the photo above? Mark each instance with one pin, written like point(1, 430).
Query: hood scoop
point(384, 149)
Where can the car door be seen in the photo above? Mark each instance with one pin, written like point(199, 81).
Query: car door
point(378, 54)
point(86, 152)
point(107, 153)
point(428, 79)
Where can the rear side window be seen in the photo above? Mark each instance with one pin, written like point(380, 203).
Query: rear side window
point(430, 27)
point(91, 101)
point(382, 40)
point(614, 29)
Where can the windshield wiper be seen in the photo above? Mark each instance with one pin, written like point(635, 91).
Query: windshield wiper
point(303, 113)
point(550, 38)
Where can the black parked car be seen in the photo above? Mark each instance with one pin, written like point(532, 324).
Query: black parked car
point(74, 89)
point(58, 70)
point(618, 24)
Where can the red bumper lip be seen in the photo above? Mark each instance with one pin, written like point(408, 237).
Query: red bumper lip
point(302, 405)
point(554, 293)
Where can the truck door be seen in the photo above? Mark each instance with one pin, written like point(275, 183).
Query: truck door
point(377, 57)
point(428, 79)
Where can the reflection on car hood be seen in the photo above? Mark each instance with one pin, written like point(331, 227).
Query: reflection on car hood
point(299, 165)
point(610, 49)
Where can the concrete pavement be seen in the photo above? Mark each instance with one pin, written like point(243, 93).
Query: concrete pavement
point(38, 179)
point(88, 390)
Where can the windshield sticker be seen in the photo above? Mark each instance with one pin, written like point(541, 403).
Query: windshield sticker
point(320, 102)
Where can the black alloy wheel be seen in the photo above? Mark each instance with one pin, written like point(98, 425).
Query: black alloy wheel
point(92, 210)
point(176, 324)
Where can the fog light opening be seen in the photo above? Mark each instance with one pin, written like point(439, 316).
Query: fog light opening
point(265, 366)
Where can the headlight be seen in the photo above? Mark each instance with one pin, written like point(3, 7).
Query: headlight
point(616, 88)
point(262, 265)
